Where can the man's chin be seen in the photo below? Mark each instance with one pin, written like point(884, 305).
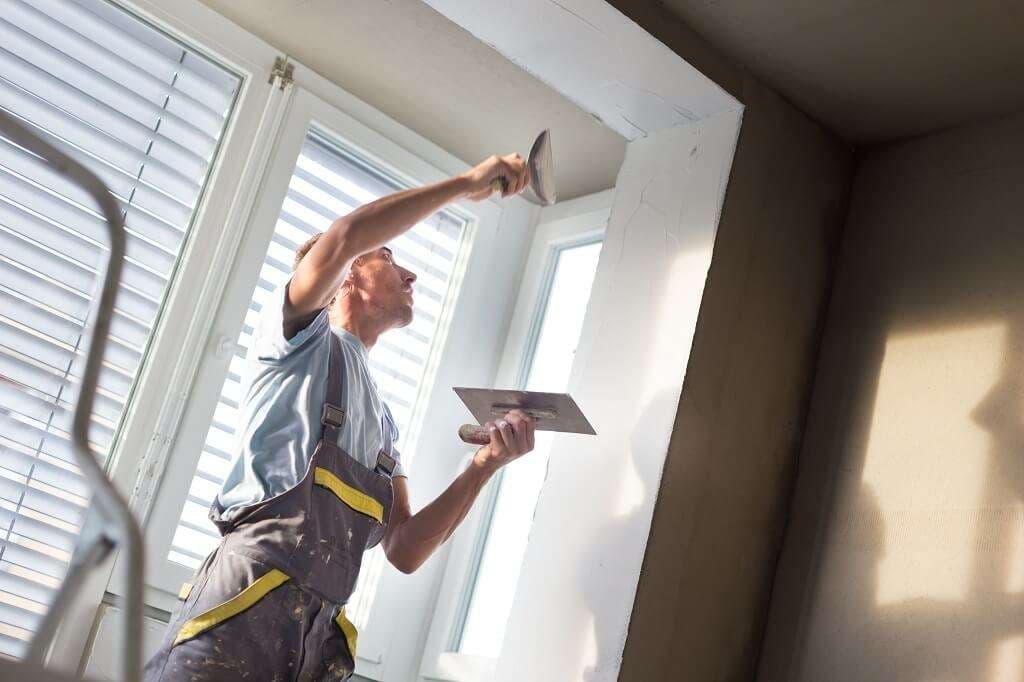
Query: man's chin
point(405, 317)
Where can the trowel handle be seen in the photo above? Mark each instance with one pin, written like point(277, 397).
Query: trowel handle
point(474, 435)
point(500, 184)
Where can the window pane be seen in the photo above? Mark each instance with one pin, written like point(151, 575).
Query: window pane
point(328, 182)
point(119, 96)
point(520, 484)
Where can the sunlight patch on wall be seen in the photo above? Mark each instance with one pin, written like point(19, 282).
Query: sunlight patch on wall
point(670, 291)
point(927, 458)
point(1015, 574)
point(1008, 660)
point(631, 490)
point(674, 332)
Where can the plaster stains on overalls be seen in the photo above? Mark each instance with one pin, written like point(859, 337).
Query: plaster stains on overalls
point(269, 602)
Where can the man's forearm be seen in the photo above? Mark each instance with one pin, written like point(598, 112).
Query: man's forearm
point(375, 224)
point(369, 227)
point(412, 541)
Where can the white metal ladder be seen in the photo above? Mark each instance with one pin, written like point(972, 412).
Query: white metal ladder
point(118, 526)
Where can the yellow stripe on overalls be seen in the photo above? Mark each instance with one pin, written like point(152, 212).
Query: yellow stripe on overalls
point(232, 607)
point(356, 499)
point(349, 630)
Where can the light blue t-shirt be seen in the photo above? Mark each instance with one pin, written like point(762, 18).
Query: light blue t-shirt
point(286, 383)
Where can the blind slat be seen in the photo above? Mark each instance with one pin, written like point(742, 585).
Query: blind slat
point(100, 58)
point(148, 48)
point(147, 237)
point(88, 106)
point(58, 63)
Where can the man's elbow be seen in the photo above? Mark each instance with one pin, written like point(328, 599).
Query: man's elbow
point(399, 556)
point(405, 564)
point(338, 244)
point(406, 567)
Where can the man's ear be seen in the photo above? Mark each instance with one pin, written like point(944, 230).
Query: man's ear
point(349, 282)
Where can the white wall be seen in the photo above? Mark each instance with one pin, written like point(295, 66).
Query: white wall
point(575, 595)
point(596, 57)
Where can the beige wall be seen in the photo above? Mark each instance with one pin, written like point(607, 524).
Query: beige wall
point(702, 599)
point(905, 557)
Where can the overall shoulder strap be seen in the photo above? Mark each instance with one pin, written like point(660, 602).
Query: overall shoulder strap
point(333, 416)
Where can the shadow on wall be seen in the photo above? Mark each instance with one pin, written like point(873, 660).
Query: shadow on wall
point(914, 453)
point(922, 575)
point(919, 639)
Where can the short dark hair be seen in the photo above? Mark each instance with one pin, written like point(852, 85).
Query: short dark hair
point(301, 252)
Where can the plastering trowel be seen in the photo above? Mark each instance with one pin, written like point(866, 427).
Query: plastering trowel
point(552, 411)
point(542, 173)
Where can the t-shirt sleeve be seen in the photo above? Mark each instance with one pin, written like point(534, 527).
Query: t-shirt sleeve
point(399, 469)
point(390, 419)
point(269, 341)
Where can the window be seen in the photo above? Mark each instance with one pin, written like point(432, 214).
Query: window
point(329, 181)
point(546, 366)
point(146, 114)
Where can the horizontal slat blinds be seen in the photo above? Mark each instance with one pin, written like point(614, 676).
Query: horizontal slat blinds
point(326, 184)
point(145, 113)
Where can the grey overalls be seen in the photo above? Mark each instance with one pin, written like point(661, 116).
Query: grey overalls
point(269, 602)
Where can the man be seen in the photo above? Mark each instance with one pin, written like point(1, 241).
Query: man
point(317, 479)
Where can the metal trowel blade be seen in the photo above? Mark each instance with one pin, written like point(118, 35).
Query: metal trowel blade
point(553, 411)
point(542, 170)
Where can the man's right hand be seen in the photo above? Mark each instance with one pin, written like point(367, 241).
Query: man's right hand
point(511, 438)
point(511, 167)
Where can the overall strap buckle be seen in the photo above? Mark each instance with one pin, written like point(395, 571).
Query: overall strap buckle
point(332, 416)
point(386, 463)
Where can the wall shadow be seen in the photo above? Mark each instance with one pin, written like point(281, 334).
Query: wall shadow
point(915, 640)
point(933, 250)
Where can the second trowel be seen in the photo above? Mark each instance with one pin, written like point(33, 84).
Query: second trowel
point(552, 411)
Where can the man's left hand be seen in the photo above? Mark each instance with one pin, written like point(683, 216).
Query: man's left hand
point(511, 438)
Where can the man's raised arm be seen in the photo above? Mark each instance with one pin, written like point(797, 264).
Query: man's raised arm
point(323, 270)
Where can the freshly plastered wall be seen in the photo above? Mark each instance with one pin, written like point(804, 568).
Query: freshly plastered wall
point(580, 571)
point(701, 604)
point(905, 556)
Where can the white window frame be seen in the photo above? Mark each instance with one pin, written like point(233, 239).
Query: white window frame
point(565, 225)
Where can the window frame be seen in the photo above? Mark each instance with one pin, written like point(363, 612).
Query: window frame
point(568, 224)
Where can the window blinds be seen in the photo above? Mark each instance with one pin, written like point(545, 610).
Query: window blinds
point(146, 114)
point(326, 183)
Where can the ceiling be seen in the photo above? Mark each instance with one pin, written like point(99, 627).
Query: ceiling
point(874, 70)
point(430, 75)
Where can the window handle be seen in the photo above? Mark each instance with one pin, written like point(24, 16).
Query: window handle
point(224, 347)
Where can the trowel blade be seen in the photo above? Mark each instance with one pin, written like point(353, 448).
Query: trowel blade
point(561, 413)
point(542, 170)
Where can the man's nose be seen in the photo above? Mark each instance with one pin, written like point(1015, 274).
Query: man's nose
point(408, 276)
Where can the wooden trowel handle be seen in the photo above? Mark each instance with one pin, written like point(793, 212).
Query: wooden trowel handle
point(474, 435)
point(500, 184)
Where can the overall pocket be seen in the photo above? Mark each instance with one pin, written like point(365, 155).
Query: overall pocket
point(244, 600)
point(349, 519)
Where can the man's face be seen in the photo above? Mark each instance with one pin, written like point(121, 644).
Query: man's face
point(385, 286)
